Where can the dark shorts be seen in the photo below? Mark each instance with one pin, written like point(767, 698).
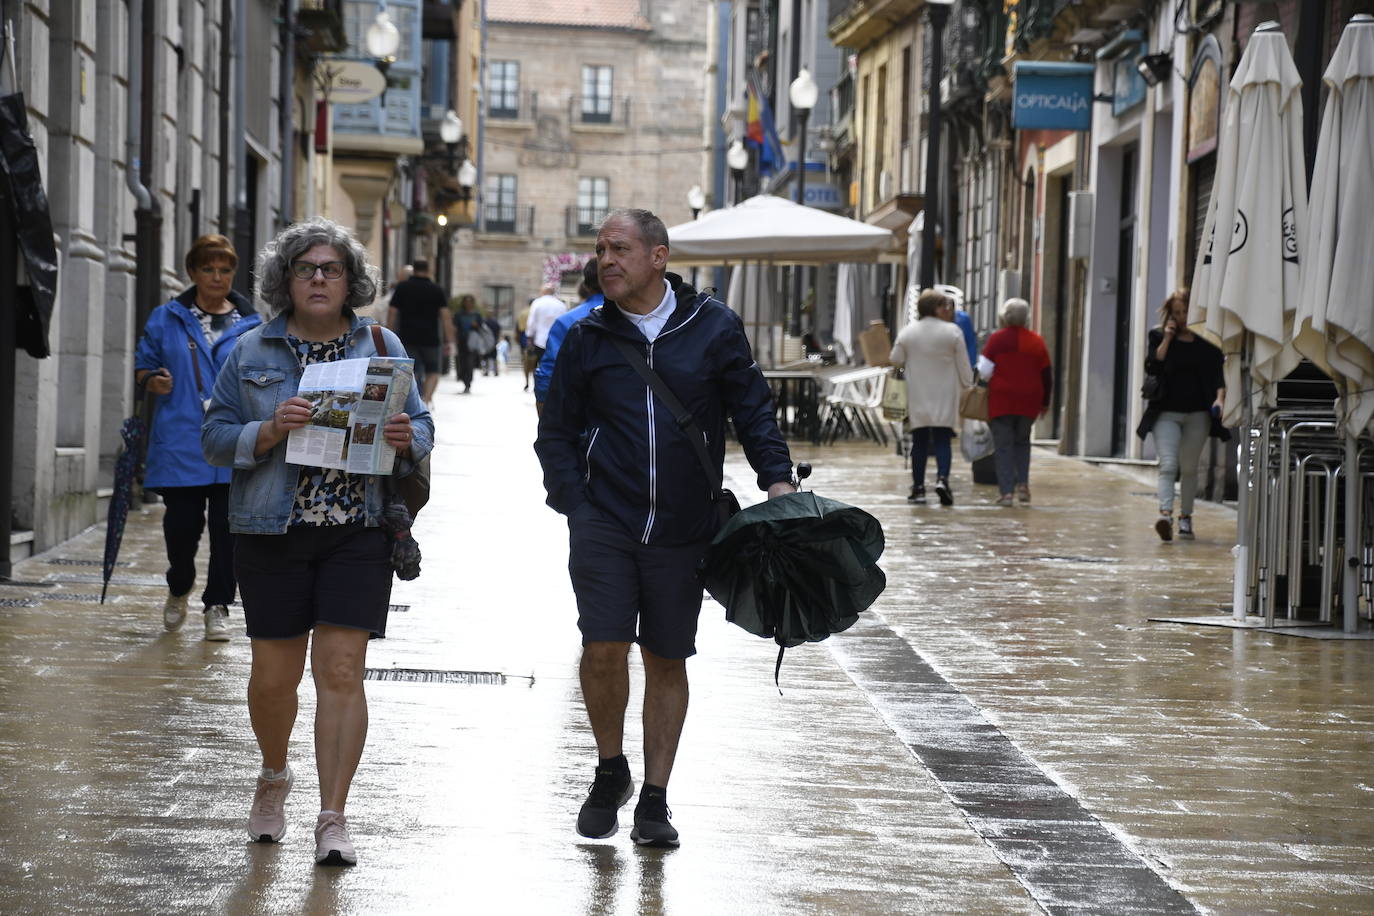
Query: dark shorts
point(425, 356)
point(620, 582)
point(334, 574)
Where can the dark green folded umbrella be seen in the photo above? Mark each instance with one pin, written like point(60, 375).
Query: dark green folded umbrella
point(796, 569)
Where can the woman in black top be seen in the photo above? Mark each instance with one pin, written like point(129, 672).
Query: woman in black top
point(1187, 408)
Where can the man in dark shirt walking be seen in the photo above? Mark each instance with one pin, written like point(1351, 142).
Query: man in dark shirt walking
point(419, 316)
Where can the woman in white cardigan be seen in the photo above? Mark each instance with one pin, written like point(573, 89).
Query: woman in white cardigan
point(931, 350)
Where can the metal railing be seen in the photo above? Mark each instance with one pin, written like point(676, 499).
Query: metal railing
point(503, 220)
point(524, 107)
point(582, 222)
point(613, 111)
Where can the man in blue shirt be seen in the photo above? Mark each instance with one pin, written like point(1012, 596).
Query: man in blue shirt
point(543, 373)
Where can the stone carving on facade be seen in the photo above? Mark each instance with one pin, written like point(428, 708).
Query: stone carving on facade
point(550, 147)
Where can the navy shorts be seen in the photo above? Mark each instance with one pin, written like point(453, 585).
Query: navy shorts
point(334, 574)
point(621, 583)
point(426, 357)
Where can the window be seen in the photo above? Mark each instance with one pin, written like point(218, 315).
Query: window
point(503, 92)
point(596, 94)
point(500, 303)
point(499, 203)
point(593, 200)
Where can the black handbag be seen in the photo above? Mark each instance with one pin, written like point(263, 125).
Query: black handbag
point(1153, 388)
point(725, 502)
point(413, 488)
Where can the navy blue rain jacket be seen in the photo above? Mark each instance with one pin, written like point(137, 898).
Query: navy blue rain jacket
point(174, 455)
point(604, 437)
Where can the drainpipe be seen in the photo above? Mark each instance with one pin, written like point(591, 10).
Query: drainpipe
point(287, 207)
point(139, 164)
point(243, 233)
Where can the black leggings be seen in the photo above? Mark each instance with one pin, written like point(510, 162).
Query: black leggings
point(182, 524)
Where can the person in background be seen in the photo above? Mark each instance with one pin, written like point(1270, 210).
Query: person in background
point(1017, 366)
point(184, 344)
point(419, 316)
point(490, 366)
point(931, 352)
point(590, 291)
point(464, 320)
point(313, 562)
point(1187, 411)
point(543, 312)
point(527, 360)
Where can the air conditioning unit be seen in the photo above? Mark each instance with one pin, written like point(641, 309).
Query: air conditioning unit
point(1080, 217)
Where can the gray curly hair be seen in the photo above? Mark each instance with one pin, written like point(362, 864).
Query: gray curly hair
point(274, 264)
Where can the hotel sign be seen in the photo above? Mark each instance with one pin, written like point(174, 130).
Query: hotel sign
point(1052, 96)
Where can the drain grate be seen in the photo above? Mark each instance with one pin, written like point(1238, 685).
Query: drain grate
point(429, 676)
point(82, 597)
point(23, 583)
point(18, 602)
point(399, 608)
point(96, 578)
point(71, 561)
point(1056, 558)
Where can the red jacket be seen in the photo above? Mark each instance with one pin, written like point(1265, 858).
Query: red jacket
point(1020, 380)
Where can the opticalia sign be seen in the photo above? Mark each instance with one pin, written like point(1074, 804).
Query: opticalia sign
point(1052, 95)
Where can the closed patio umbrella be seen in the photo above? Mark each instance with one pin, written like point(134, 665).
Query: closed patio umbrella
point(1245, 283)
point(1335, 319)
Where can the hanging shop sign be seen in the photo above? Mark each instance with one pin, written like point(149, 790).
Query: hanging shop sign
point(1052, 96)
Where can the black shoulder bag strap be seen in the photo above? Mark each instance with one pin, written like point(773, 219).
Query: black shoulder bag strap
point(684, 419)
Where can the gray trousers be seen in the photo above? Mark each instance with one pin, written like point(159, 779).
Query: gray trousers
point(1011, 434)
point(1179, 438)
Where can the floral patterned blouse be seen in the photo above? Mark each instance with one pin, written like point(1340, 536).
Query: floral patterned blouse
point(326, 496)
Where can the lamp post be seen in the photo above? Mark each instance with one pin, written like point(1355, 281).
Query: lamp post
point(938, 13)
point(737, 158)
point(802, 94)
point(696, 200)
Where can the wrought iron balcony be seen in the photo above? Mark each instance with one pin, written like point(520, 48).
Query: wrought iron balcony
point(322, 22)
point(604, 111)
point(582, 222)
point(498, 219)
point(523, 106)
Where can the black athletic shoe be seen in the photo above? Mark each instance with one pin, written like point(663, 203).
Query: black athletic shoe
point(942, 490)
point(651, 820)
point(917, 495)
point(610, 790)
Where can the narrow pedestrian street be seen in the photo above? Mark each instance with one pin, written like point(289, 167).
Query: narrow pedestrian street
point(1005, 732)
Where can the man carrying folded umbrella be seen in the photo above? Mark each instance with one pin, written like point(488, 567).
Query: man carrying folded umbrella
point(639, 501)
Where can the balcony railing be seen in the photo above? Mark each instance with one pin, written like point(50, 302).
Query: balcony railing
point(524, 107)
point(582, 222)
point(608, 112)
point(322, 26)
point(513, 221)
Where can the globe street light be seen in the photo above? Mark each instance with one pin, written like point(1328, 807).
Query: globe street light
point(383, 40)
point(737, 158)
point(938, 11)
point(696, 200)
point(467, 177)
point(802, 94)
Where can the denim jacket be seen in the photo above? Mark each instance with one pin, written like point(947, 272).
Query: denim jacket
point(261, 373)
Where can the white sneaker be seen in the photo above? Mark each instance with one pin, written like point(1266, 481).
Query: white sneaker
point(332, 845)
point(267, 817)
point(174, 611)
point(216, 623)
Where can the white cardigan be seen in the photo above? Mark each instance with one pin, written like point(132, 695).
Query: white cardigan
point(932, 352)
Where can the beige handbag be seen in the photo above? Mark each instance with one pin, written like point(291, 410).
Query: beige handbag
point(973, 403)
point(894, 397)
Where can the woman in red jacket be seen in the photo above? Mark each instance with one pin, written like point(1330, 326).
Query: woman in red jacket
point(1017, 367)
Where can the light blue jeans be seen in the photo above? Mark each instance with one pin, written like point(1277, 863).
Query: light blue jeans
point(1178, 439)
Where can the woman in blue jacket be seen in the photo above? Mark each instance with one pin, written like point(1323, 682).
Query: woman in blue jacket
point(184, 344)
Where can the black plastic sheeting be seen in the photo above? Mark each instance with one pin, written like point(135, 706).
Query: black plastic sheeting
point(28, 209)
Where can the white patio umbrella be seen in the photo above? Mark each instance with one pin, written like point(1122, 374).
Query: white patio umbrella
point(1245, 283)
point(1335, 317)
point(767, 228)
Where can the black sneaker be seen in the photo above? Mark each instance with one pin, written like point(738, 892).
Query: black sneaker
point(610, 790)
point(943, 491)
point(917, 495)
point(651, 820)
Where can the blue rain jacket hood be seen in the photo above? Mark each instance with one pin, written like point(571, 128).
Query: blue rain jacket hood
point(604, 437)
point(172, 330)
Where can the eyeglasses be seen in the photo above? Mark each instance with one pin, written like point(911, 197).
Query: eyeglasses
point(216, 271)
point(305, 270)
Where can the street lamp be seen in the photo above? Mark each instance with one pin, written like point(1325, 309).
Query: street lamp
point(467, 177)
point(737, 158)
point(938, 11)
point(451, 129)
point(383, 39)
point(696, 200)
point(802, 94)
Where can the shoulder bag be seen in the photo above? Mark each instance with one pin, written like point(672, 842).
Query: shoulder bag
point(973, 403)
point(724, 501)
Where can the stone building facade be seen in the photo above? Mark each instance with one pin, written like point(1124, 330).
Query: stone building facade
point(589, 107)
